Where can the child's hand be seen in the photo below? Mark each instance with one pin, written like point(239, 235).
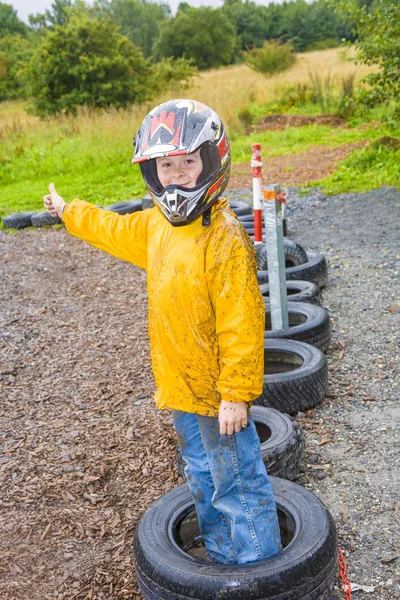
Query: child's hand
point(232, 417)
point(53, 203)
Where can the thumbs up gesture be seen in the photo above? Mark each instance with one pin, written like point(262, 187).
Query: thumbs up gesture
point(53, 203)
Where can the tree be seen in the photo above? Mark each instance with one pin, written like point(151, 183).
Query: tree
point(139, 19)
point(303, 23)
point(252, 23)
point(204, 35)
point(58, 15)
point(378, 44)
point(15, 53)
point(86, 62)
point(9, 21)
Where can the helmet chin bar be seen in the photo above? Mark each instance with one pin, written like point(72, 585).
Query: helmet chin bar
point(176, 204)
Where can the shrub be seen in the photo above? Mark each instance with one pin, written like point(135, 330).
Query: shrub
point(172, 74)
point(271, 59)
point(326, 44)
point(87, 62)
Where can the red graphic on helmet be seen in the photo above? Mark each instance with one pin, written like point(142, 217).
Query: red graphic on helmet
point(165, 121)
point(223, 146)
point(165, 129)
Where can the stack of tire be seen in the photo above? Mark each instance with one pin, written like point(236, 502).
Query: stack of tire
point(169, 560)
point(167, 542)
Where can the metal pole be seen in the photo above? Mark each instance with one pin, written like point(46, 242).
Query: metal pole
point(256, 166)
point(273, 220)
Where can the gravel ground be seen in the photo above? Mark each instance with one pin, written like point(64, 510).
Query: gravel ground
point(84, 452)
point(355, 434)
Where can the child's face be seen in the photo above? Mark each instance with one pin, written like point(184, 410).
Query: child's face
point(179, 170)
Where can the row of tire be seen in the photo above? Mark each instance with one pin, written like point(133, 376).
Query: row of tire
point(33, 218)
point(295, 379)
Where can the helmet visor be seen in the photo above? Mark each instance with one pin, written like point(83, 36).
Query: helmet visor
point(211, 162)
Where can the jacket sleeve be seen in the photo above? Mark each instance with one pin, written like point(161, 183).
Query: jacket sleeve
point(123, 236)
point(240, 321)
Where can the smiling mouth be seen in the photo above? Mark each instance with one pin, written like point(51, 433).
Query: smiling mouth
point(186, 184)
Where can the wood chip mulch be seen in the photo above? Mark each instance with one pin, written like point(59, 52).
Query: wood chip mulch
point(83, 450)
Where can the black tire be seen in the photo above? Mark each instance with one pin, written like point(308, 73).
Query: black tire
point(315, 270)
point(248, 219)
point(297, 291)
point(147, 202)
point(240, 207)
point(43, 219)
point(294, 255)
point(308, 323)
point(305, 569)
point(18, 220)
point(295, 376)
point(281, 442)
point(125, 208)
point(249, 227)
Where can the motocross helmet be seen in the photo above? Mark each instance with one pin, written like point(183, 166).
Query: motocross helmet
point(176, 128)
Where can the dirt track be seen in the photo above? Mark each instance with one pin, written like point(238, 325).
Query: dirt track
point(84, 451)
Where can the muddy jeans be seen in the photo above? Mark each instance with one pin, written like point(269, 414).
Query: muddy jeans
point(230, 486)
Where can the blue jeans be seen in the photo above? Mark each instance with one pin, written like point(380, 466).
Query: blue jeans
point(233, 496)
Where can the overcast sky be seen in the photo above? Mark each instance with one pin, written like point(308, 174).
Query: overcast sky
point(29, 7)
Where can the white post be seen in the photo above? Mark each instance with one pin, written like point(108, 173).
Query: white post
point(273, 220)
point(256, 166)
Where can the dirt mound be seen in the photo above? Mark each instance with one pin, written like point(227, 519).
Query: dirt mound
point(278, 122)
point(296, 169)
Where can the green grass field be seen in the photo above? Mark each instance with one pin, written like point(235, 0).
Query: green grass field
point(90, 156)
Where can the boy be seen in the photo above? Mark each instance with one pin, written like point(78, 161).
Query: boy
point(206, 319)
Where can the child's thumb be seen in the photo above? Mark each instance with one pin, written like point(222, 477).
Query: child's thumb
point(52, 189)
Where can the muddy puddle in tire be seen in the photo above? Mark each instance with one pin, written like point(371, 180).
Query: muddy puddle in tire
point(84, 452)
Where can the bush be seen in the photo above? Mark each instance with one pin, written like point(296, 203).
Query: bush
point(87, 62)
point(172, 74)
point(326, 44)
point(271, 59)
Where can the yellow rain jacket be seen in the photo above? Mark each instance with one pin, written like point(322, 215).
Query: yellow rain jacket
point(206, 313)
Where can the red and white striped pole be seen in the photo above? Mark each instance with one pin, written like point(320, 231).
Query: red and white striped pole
point(256, 165)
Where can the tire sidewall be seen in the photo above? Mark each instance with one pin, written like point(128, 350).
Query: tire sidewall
point(303, 565)
point(307, 291)
point(317, 322)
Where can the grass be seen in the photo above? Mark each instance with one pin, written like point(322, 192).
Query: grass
point(367, 169)
point(89, 156)
point(300, 139)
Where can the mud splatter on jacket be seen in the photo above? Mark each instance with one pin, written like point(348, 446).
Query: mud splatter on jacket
point(206, 313)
